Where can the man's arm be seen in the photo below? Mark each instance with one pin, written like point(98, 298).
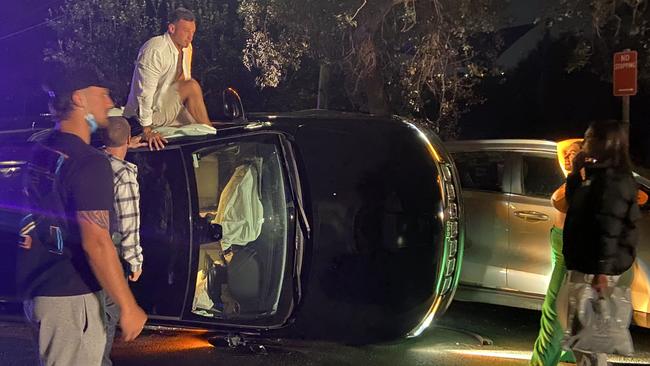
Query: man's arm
point(148, 71)
point(127, 209)
point(91, 187)
point(102, 257)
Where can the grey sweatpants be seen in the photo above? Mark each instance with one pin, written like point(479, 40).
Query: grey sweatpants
point(112, 312)
point(69, 330)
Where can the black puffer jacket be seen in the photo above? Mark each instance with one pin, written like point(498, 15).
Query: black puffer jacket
point(600, 231)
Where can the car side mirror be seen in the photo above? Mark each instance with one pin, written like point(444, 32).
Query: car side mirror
point(232, 105)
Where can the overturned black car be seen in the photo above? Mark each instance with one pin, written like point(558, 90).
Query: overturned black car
point(315, 224)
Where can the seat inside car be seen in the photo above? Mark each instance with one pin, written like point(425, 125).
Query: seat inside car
point(256, 269)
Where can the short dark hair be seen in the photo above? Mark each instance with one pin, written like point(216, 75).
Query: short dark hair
point(611, 144)
point(181, 14)
point(117, 133)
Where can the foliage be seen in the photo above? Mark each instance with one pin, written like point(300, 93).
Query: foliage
point(604, 27)
point(90, 33)
point(109, 33)
point(396, 54)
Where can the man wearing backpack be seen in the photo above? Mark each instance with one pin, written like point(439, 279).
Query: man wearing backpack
point(64, 281)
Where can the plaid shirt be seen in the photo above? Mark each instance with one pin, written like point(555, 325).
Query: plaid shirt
point(127, 210)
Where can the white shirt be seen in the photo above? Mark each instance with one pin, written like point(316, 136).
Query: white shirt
point(154, 74)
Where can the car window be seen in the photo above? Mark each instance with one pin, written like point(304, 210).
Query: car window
point(481, 171)
point(241, 187)
point(541, 176)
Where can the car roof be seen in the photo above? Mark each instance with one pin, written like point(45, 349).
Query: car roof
point(502, 144)
point(315, 114)
point(266, 121)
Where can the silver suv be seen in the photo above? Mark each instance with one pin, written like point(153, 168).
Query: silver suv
point(507, 186)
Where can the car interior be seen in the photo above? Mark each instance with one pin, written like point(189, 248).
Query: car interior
point(240, 188)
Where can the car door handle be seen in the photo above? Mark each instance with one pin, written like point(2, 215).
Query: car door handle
point(531, 215)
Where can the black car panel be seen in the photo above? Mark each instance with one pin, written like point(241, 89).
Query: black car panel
point(353, 229)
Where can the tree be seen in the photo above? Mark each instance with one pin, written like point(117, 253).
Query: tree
point(109, 33)
point(395, 54)
point(604, 27)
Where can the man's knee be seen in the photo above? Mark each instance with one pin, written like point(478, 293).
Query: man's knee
point(190, 88)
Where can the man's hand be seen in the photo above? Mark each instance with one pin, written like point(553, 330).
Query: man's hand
point(155, 140)
point(599, 283)
point(103, 259)
point(132, 321)
point(136, 142)
point(134, 277)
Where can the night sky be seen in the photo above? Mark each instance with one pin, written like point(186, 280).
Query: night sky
point(23, 35)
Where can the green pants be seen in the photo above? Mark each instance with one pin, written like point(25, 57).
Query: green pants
point(548, 350)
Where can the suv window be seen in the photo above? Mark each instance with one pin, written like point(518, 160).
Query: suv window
point(481, 171)
point(541, 176)
point(240, 186)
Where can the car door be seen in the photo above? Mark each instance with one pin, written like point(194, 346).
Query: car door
point(485, 184)
point(531, 215)
point(245, 232)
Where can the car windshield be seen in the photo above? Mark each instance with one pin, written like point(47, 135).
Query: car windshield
point(241, 192)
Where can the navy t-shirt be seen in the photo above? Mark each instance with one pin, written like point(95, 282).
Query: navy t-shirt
point(87, 182)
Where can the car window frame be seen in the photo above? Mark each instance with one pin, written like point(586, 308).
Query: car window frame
point(518, 171)
point(295, 231)
point(506, 179)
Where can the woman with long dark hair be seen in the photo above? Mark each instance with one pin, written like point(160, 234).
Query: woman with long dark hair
point(600, 232)
point(547, 350)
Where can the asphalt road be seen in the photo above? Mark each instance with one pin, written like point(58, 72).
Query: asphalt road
point(458, 339)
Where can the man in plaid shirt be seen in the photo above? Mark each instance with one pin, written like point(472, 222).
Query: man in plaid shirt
point(117, 139)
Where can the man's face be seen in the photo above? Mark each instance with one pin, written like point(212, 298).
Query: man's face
point(182, 32)
point(98, 102)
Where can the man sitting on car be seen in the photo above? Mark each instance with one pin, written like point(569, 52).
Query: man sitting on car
point(163, 92)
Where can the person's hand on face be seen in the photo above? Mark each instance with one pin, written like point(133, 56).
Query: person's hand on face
point(578, 161)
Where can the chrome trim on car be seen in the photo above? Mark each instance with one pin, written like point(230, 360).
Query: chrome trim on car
point(451, 218)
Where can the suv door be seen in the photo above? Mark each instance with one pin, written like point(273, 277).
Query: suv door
point(485, 183)
point(535, 177)
point(241, 271)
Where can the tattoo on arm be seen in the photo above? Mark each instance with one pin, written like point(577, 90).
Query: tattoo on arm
point(99, 218)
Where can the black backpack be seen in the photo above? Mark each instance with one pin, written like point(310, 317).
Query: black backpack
point(44, 225)
point(45, 221)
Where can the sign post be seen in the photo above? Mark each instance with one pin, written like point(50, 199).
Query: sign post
point(625, 79)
